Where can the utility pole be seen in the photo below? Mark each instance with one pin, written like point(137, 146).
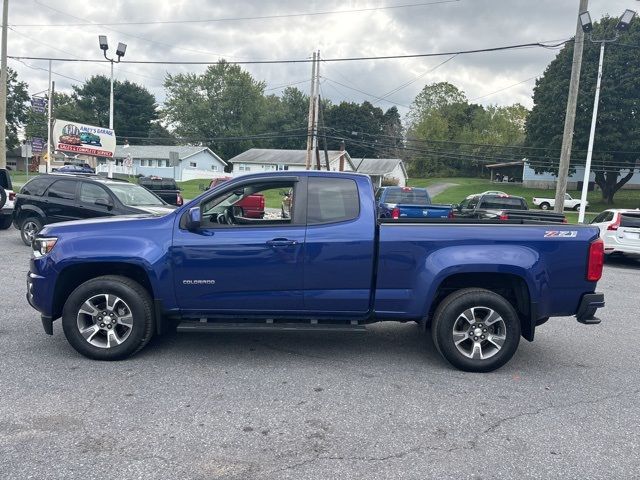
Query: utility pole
point(3, 87)
point(52, 90)
point(570, 115)
point(316, 107)
point(310, 128)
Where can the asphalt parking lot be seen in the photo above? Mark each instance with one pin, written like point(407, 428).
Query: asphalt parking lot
point(380, 404)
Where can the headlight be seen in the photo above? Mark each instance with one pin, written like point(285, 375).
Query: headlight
point(43, 245)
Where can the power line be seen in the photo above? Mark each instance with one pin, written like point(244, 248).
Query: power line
point(502, 89)
point(307, 60)
point(237, 19)
point(363, 92)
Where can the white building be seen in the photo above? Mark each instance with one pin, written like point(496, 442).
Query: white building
point(257, 160)
point(531, 179)
point(380, 169)
point(194, 162)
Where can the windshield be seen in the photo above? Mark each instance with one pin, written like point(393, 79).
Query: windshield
point(134, 195)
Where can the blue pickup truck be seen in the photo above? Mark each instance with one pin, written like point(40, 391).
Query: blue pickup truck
point(476, 285)
point(409, 202)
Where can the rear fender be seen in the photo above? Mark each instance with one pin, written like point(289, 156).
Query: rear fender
point(516, 260)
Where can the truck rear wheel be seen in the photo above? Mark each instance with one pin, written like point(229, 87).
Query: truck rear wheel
point(476, 330)
point(108, 318)
point(545, 206)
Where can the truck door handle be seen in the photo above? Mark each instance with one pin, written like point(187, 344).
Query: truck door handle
point(281, 242)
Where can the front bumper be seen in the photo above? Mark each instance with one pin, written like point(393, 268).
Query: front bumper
point(588, 305)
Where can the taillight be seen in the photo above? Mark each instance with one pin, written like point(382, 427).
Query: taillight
point(616, 223)
point(261, 202)
point(596, 260)
point(12, 196)
point(564, 220)
point(179, 199)
point(450, 214)
point(395, 213)
point(503, 216)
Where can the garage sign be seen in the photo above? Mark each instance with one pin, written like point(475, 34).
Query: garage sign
point(83, 139)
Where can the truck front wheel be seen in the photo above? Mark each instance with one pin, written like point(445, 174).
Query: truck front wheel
point(108, 318)
point(476, 330)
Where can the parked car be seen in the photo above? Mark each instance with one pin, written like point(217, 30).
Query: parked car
point(409, 202)
point(72, 168)
point(7, 199)
point(332, 266)
point(250, 206)
point(569, 203)
point(503, 207)
point(70, 139)
point(166, 188)
point(620, 230)
point(90, 139)
point(56, 198)
point(493, 192)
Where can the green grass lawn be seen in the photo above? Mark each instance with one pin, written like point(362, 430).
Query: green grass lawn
point(468, 186)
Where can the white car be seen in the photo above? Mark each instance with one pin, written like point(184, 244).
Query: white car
point(620, 230)
point(569, 203)
point(493, 192)
point(7, 200)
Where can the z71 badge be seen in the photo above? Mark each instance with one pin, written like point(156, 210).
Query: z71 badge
point(562, 234)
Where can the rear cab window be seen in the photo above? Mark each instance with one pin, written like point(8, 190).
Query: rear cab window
point(332, 200)
point(407, 196)
point(499, 202)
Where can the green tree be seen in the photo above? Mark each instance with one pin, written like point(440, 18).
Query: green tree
point(134, 107)
point(17, 108)
point(360, 125)
point(64, 106)
point(288, 114)
point(224, 101)
point(618, 124)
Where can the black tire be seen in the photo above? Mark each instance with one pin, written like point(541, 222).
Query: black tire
point(3, 197)
point(28, 225)
point(577, 208)
point(136, 298)
point(5, 222)
point(448, 314)
point(545, 206)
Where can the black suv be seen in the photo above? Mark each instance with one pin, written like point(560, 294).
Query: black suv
point(61, 197)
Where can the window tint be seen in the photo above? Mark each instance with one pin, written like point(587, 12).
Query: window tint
point(512, 203)
point(469, 202)
point(411, 197)
point(37, 186)
point(379, 194)
point(603, 217)
point(630, 220)
point(332, 200)
point(62, 189)
point(90, 192)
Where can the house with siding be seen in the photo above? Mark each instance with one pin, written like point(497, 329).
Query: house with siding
point(531, 179)
point(257, 160)
point(381, 169)
point(194, 162)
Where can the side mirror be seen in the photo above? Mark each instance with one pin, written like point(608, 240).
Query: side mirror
point(194, 218)
point(104, 202)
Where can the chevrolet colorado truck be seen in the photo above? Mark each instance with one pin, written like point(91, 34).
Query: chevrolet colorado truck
point(476, 285)
point(409, 202)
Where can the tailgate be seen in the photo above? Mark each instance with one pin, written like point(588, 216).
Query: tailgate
point(629, 230)
point(423, 211)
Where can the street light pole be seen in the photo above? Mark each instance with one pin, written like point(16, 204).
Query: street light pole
point(587, 27)
point(587, 166)
point(111, 99)
point(3, 86)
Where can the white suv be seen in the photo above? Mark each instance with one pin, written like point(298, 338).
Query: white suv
point(620, 230)
point(7, 200)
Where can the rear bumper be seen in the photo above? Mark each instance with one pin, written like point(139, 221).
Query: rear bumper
point(588, 305)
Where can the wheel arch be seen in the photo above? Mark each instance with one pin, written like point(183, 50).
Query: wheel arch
point(73, 276)
point(513, 287)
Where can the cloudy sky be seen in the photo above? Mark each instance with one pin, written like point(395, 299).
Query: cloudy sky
point(414, 27)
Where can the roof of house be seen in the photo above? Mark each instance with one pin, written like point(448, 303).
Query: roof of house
point(273, 156)
point(378, 166)
point(160, 151)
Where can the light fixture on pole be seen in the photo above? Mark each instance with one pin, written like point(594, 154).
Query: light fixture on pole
point(120, 51)
point(587, 27)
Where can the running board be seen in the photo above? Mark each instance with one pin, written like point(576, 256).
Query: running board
point(204, 326)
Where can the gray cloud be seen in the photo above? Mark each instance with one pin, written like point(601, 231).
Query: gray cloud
point(466, 24)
